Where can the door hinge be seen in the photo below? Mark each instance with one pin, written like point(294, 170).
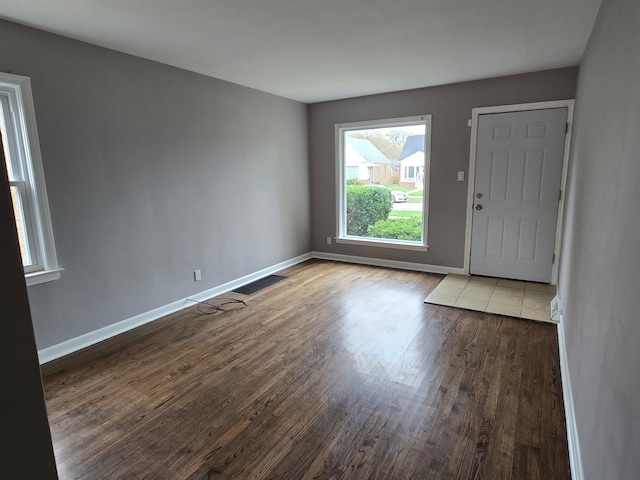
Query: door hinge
point(553, 259)
point(566, 130)
point(560, 195)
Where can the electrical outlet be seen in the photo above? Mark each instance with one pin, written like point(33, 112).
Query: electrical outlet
point(197, 275)
point(461, 176)
point(328, 240)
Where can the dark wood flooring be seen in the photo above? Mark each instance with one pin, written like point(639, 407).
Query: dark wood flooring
point(338, 372)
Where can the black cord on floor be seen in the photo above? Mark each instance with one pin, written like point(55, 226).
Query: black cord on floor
point(222, 304)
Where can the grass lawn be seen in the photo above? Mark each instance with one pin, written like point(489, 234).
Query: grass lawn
point(395, 186)
point(414, 197)
point(405, 213)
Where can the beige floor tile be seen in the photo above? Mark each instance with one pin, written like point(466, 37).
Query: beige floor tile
point(535, 302)
point(471, 304)
point(456, 280)
point(503, 309)
point(511, 284)
point(499, 296)
point(448, 290)
point(538, 294)
point(507, 299)
point(541, 287)
point(483, 281)
point(476, 294)
point(536, 314)
point(479, 287)
point(441, 299)
point(514, 292)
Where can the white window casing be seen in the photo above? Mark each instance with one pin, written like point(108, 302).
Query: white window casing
point(26, 179)
point(345, 171)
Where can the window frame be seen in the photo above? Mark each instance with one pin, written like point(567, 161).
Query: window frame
point(341, 184)
point(28, 177)
point(25, 214)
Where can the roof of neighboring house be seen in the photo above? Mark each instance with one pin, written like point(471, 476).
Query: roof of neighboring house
point(367, 150)
point(414, 143)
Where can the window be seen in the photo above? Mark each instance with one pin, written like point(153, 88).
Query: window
point(351, 173)
point(386, 211)
point(409, 172)
point(26, 179)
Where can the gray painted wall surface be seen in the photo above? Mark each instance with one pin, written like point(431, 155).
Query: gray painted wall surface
point(153, 172)
point(600, 266)
point(451, 107)
point(25, 440)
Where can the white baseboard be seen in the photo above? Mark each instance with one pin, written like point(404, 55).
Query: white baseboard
point(73, 345)
point(78, 343)
point(575, 459)
point(378, 262)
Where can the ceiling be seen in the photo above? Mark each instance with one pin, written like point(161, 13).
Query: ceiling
point(317, 50)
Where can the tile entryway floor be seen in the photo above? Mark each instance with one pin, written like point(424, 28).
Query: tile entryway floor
point(493, 295)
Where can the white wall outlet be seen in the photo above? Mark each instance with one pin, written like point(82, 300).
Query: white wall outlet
point(197, 275)
point(328, 240)
point(461, 176)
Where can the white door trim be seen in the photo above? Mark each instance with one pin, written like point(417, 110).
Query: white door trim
point(475, 113)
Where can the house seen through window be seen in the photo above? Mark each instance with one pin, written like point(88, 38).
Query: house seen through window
point(383, 169)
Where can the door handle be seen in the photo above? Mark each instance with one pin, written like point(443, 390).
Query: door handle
point(478, 207)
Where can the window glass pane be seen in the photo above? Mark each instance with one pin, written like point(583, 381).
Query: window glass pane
point(20, 225)
point(3, 132)
point(351, 172)
point(384, 187)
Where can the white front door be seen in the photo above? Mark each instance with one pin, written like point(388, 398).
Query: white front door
point(518, 174)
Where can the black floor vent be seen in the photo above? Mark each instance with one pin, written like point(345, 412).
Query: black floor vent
point(253, 287)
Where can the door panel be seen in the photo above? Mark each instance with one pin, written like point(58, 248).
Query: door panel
point(517, 186)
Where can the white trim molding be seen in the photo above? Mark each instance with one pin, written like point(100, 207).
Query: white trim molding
point(476, 112)
point(36, 278)
point(73, 345)
point(16, 90)
point(341, 130)
point(91, 338)
point(380, 242)
point(575, 458)
point(379, 262)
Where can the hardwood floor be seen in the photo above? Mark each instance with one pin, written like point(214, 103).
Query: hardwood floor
point(339, 371)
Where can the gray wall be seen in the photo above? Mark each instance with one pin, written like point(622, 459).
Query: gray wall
point(600, 264)
point(450, 107)
point(153, 172)
point(25, 440)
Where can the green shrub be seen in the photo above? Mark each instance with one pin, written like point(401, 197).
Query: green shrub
point(366, 206)
point(398, 228)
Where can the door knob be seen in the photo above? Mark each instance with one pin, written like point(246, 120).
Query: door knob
point(478, 207)
point(479, 195)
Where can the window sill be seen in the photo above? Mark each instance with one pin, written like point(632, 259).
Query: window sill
point(44, 276)
point(382, 243)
